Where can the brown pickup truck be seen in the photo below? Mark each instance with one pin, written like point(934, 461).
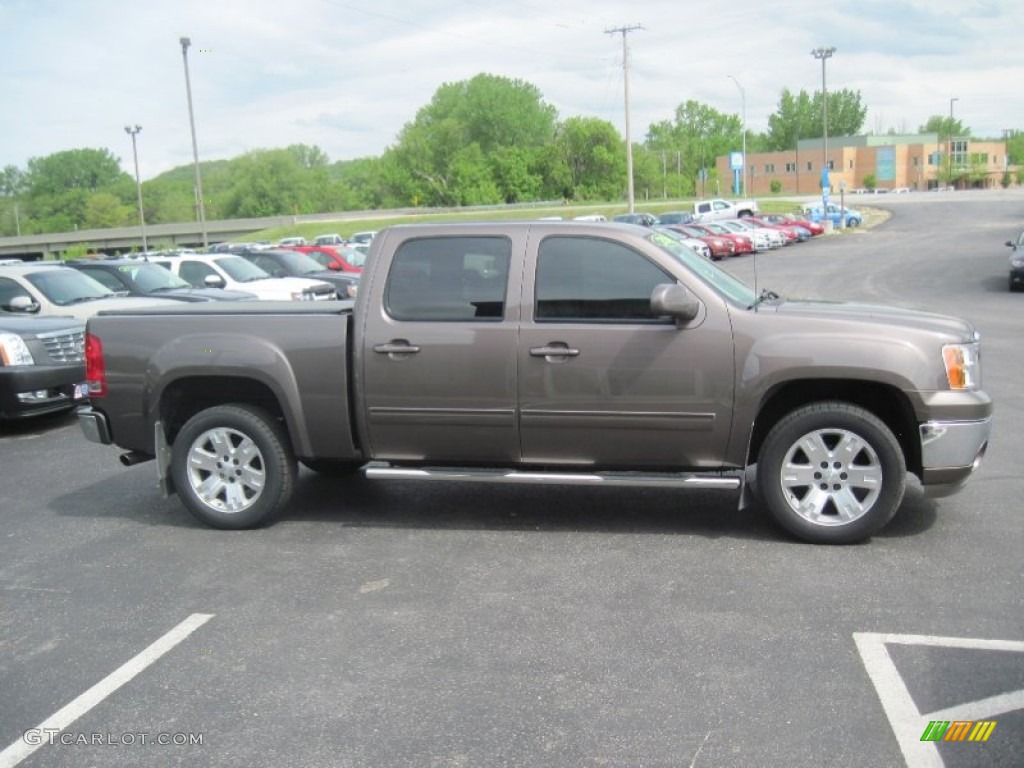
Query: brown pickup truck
point(545, 352)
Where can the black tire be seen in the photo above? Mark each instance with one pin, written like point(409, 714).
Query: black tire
point(332, 467)
point(831, 473)
point(246, 484)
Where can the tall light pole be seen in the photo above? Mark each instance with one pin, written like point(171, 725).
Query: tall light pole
point(200, 209)
point(743, 99)
point(133, 132)
point(629, 141)
point(824, 54)
point(949, 152)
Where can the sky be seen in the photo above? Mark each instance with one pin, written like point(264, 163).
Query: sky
point(346, 75)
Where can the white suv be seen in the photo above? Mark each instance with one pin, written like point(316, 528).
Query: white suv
point(48, 289)
point(226, 270)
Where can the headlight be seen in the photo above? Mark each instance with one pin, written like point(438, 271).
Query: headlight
point(1017, 261)
point(14, 350)
point(303, 296)
point(963, 365)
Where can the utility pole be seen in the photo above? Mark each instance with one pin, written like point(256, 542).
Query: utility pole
point(629, 142)
point(743, 173)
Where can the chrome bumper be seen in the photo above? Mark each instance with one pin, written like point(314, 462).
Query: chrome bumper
point(94, 426)
point(950, 452)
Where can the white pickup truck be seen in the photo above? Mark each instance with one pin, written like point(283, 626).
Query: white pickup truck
point(717, 210)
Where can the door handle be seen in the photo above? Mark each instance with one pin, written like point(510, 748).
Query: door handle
point(554, 350)
point(398, 347)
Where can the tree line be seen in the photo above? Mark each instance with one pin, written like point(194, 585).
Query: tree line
point(484, 141)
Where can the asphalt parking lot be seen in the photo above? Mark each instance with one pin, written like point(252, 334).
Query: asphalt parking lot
point(399, 624)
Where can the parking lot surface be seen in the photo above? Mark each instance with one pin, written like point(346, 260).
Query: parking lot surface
point(399, 624)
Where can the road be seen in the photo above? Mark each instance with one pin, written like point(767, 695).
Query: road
point(437, 625)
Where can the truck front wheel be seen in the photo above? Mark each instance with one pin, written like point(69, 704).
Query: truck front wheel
point(233, 466)
point(831, 473)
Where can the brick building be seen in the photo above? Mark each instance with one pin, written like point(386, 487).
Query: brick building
point(917, 162)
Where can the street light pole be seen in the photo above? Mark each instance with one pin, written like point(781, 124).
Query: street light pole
point(743, 101)
point(949, 152)
point(824, 54)
point(200, 209)
point(133, 132)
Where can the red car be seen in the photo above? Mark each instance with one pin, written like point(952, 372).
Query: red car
point(742, 243)
point(335, 257)
point(721, 247)
point(815, 227)
point(789, 229)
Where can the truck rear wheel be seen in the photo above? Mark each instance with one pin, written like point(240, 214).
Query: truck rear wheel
point(831, 473)
point(233, 466)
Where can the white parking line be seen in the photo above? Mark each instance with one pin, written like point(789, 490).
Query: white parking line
point(61, 719)
point(904, 717)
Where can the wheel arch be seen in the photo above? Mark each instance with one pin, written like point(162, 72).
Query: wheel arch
point(183, 398)
point(885, 401)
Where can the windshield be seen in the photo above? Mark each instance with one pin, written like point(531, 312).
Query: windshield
point(67, 286)
point(296, 263)
point(151, 277)
point(718, 279)
point(240, 269)
point(353, 257)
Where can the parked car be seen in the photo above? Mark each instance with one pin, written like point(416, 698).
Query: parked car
point(814, 227)
point(835, 214)
point(146, 278)
point(643, 219)
point(676, 217)
point(362, 238)
point(283, 262)
point(340, 258)
point(42, 365)
point(229, 270)
point(721, 247)
point(697, 246)
point(331, 239)
point(284, 242)
point(1016, 262)
point(776, 237)
point(590, 217)
point(793, 232)
point(49, 289)
point(758, 237)
point(742, 242)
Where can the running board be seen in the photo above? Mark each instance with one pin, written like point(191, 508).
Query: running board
point(611, 479)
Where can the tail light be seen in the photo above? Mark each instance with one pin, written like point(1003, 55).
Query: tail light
point(95, 370)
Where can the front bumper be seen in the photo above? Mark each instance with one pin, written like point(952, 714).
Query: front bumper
point(950, 452)
point(32, 390)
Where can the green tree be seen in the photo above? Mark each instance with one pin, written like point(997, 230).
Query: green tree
point(799, 116)
point(103, 210)
point(944, 127)
point(73, 169)
point(266, 182)
point(487, 111)
point(594, 155)
point(692, 140)
point(308, 156)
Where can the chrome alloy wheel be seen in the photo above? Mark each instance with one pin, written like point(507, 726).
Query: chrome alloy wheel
point(831, 477)
point(226, 470)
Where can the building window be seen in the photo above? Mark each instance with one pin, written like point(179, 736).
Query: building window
point(810, 165)
point(790, 167)
point(915, 161)
point(769, 167)
point(851, 165)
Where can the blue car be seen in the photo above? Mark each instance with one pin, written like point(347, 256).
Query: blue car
point(834, 213)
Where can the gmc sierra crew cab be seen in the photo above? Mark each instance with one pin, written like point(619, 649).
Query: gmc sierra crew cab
point(545, 352)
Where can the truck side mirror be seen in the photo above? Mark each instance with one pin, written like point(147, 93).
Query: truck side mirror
point(675, 301)
point(25, 304)
point(213, 281)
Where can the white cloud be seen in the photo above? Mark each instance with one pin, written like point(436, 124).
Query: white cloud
point(346, 76)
